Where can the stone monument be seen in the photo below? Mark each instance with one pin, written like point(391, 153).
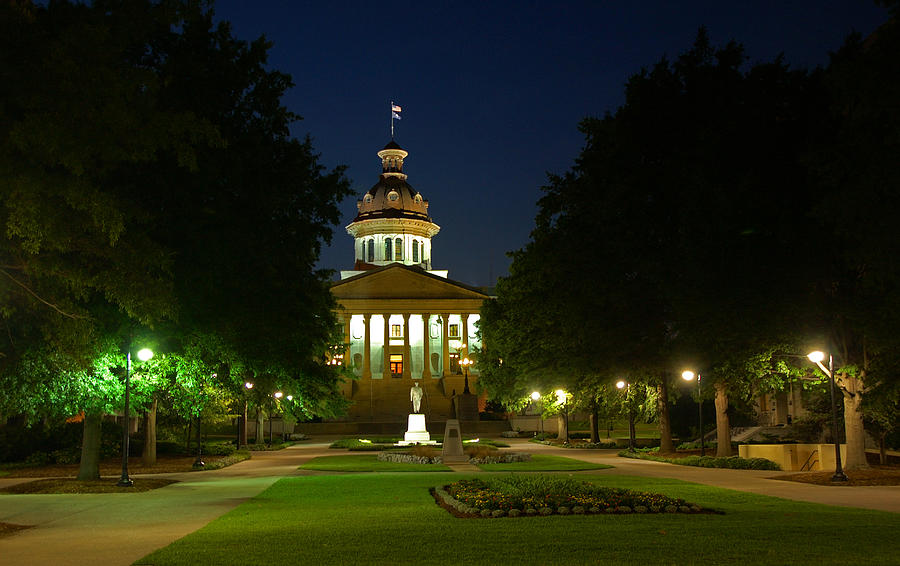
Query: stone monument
point(416, 432)
point(452, 452)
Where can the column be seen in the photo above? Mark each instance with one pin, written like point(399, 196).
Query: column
point(464, 334)
point(348, 361)
point(367, 349)
point(407, 358)
point(445, 346)
point(426, 347)
point(387, 345)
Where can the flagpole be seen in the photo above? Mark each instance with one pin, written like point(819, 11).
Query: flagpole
point(392, 120)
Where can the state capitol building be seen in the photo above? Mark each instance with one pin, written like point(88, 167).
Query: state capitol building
point(404, 321)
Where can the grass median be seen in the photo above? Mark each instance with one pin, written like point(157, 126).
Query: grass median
point(392, 519)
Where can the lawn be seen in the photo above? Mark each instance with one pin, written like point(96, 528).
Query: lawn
point(392, 519)
point(367, 463)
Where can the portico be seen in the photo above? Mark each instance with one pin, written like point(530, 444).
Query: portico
point(403, 324)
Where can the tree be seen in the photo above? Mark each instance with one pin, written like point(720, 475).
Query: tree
point(148, 176)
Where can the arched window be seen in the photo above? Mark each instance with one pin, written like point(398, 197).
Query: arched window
point(398, 250)
point(371, 250)
point(415, 251)
point(387, 249)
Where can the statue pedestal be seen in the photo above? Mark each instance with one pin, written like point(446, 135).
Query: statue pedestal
point(416, 433)
point(452, 452)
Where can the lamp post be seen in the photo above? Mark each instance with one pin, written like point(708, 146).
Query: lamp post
point(563, 397)
point(277, 395)
point(817, 357)
point(689, 376)
point(622, 384)
point(199, 463)
point(465, 363)
point(535, 396)
point(143, 355)
point(242, 419)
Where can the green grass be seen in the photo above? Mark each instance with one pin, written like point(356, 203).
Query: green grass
point(544, 463)
point(367, 463)
point(392, 519)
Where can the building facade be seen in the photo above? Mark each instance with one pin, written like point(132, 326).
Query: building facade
point(404, 322)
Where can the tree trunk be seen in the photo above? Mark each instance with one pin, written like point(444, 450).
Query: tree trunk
point(882, 450)
point(260, 431)
point(723, 427)
point(149, 454)
point(595, 427)
point(853, 423)
point(187, 440)
point(90, 448)
point(662, 408)
point(562, 427)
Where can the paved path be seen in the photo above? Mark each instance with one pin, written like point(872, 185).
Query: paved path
point(117, 529)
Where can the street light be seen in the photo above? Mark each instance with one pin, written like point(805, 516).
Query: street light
point(242, 418)
point(144, 354)
point(817, 357)
point(563, 398)
point(277, 395)
point(465, 363)
point(199, 463)
point(689, 376)
point(535, 396)
point(622, 384)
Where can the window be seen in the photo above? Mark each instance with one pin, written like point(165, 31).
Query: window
point(387, 249)
point(396, 365)
point(453, 331)
point(393, 196)
point(398, 249)
point(415, 251)
point(396, 331)
point(371, 250)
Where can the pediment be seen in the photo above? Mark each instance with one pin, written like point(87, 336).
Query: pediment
point(403, 282)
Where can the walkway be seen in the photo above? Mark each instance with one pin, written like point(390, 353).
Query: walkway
point(117, 529)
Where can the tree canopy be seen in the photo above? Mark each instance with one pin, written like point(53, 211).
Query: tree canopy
point(149, 182)
point(726, 213)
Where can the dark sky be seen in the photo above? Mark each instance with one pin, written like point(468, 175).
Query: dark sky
point(492, 92)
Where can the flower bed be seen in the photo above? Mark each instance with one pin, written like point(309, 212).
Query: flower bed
point(516, 496)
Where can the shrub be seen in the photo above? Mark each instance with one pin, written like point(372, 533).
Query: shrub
point(733, 462)
point(219, 449)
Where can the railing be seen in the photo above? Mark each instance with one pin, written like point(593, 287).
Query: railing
point(807, 466)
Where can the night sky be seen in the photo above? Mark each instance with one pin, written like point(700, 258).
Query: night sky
point(492, 92)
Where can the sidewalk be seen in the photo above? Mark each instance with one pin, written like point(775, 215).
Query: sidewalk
point(117, 529)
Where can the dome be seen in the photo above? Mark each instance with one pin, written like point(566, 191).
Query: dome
point(392, 224)
point(392, 196)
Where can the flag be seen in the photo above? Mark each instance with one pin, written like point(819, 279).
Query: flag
point(395, 116)
point(395, 108)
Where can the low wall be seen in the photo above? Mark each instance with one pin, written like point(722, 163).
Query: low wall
point(397, 429)
point(795, 457)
